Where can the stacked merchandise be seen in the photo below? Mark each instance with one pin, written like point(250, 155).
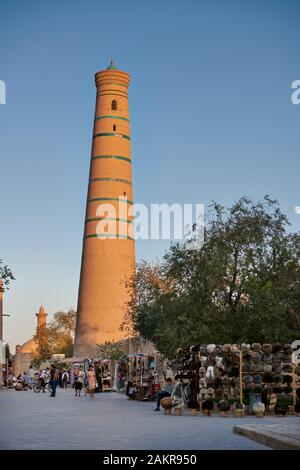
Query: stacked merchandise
point(268, 371)
point(142, 376)
point(237, 373)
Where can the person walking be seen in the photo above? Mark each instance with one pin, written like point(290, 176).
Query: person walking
point(65, 379)
point(54, 377)
point(79, 382)
point(91, 377)
point(99, 374)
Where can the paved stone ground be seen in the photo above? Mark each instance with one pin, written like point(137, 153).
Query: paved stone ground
point(36, 421)
point(275, 435)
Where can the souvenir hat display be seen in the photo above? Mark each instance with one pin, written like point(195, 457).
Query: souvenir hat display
point(236, 372)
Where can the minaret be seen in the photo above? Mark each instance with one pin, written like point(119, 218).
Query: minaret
point(108, 253)
point(41, 318)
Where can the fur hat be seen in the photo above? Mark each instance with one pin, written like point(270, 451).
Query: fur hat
point(287, 358)
point(248, 378)
point(234, 348)
point(256, 357)
point(226, 348)
point(246, 367)
point(268, 378)
point(268, 389)
point(277, 347)
point(217, 382)
point(225, 381)
point(277, 378)
point(287, 379)
point(267, 358)
point(257, 378)
point(257, 367)
point(267, 348)
point(235, 371)
point(247, 356)
point(235, 380)
point(202, 382)
point(245, 347)
point(211, 348)
point(220, 365)
point(256, 347)
point(287, 368)
point(209, 381)
point(236, 358)
point(203, 361)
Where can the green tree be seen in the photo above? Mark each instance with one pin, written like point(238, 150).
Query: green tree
point(57, 337)
point(61, 332)
point(109, 350)
point(242, 285)
point(44, 347)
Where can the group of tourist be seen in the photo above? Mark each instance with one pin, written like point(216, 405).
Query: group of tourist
point(56, 377)
point(86, 380)
point(31, 376)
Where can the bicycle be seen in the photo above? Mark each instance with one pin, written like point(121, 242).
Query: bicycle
point(37, 387)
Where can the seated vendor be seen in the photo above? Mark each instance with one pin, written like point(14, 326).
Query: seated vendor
point(166, 392)
point(131, 391)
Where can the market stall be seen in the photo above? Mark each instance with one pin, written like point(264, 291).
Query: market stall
point(257, 376)
point(143, 376)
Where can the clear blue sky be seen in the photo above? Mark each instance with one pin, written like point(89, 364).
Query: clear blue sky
point(211, 118)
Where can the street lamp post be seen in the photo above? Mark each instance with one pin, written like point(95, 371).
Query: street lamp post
point(1, 329)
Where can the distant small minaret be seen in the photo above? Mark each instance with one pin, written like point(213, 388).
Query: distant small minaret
point(41, 318)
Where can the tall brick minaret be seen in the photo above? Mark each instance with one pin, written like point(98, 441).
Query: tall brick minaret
point(108, 253)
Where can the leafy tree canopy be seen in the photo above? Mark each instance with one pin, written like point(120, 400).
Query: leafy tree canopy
point(57, 337)
point(243, 285)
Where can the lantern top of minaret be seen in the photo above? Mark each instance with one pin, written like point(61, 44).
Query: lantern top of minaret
point(111, 65)
point(41, 310)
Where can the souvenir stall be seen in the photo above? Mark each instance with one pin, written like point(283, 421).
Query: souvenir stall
point(104, 374)
point(257, 378)
point(143, 379)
